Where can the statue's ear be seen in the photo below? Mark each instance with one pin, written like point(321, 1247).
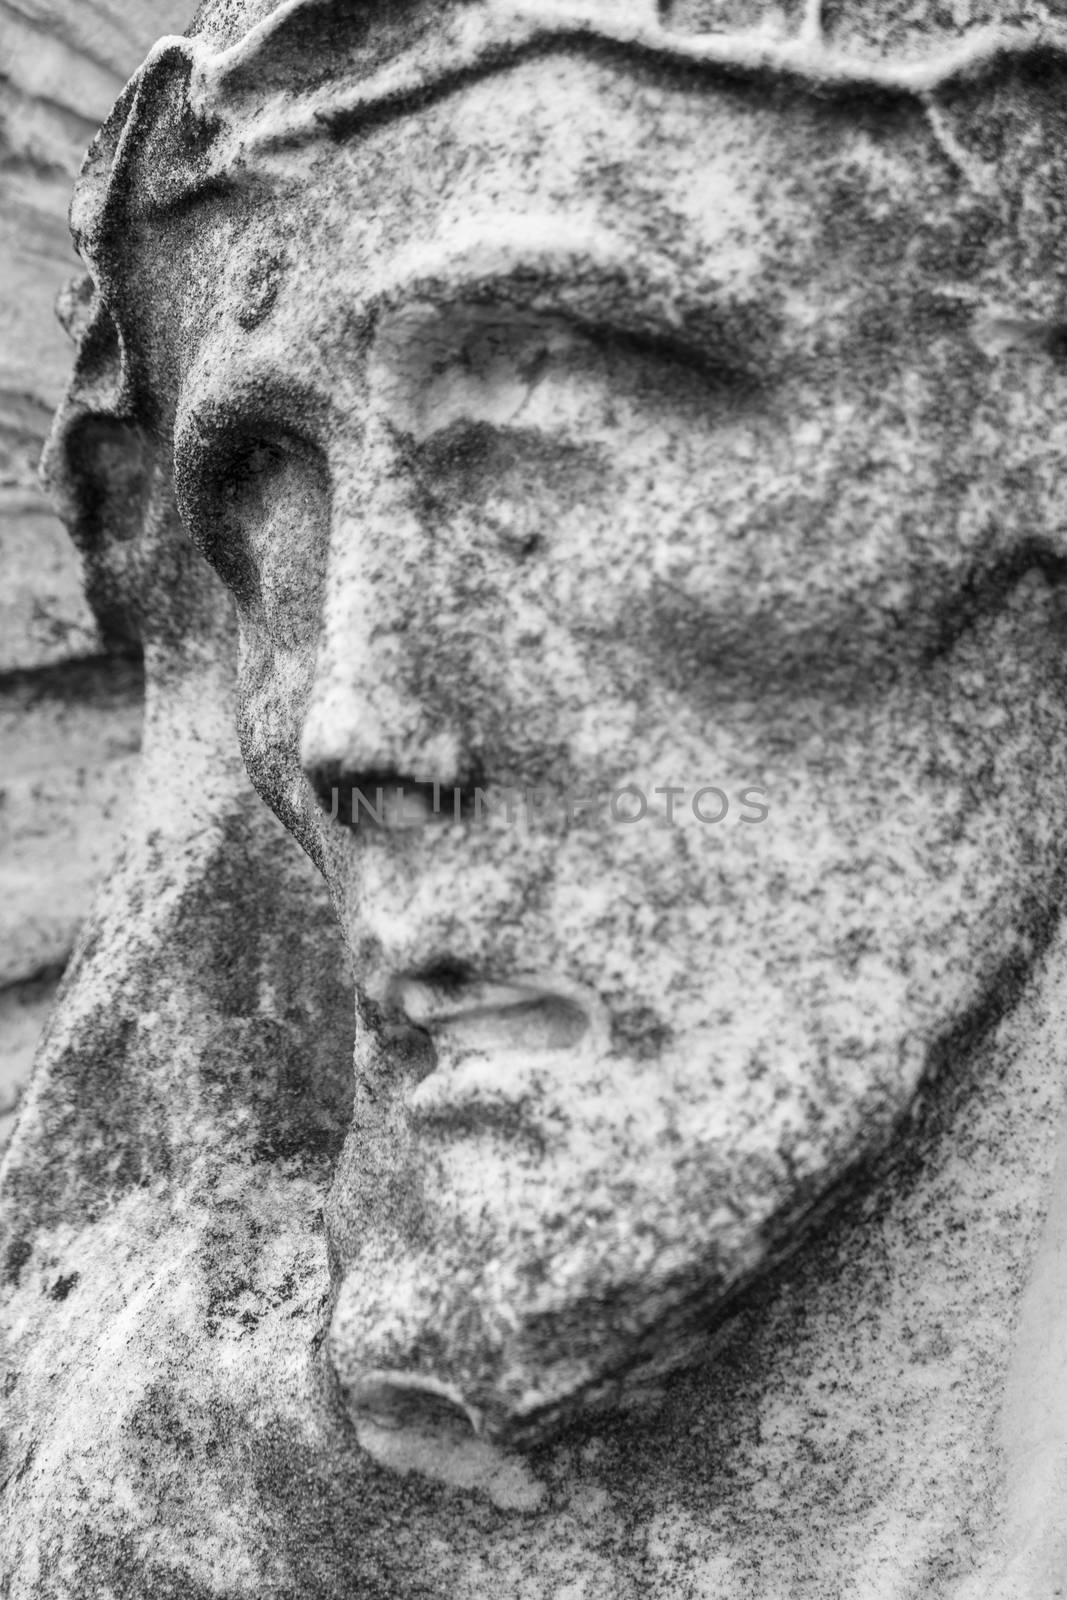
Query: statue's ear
point(98, 466)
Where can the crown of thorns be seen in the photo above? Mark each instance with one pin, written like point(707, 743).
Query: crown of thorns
point(309, 69)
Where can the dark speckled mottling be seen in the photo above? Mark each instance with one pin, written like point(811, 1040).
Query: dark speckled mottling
point(583, 397)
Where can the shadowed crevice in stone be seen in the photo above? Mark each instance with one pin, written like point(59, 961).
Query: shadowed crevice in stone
point(987, 588)
point(104, 678)
point(38, 984)
point(16, 1256)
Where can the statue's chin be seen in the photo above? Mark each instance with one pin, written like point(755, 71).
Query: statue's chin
point(532, 1221)
point(513, 1239)
point(515, 1246)
point(499, 1294)
point(472, 1380)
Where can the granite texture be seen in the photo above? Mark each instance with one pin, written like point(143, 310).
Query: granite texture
point(630, 442)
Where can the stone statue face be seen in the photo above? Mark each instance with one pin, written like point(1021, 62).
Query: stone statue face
point(567, 434)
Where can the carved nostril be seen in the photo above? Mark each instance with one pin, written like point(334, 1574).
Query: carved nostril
point(385, 798)
point(366, 767)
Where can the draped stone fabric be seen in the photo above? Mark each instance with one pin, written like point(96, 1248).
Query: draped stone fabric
point(70, 701)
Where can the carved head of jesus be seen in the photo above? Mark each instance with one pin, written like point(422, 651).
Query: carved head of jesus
point(633, 453)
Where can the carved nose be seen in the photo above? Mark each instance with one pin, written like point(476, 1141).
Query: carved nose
point(343, 737)
point(366, 744)
point(374, 716)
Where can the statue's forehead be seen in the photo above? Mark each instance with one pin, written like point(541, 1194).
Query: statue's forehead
point(750, 244)
point(567, 156)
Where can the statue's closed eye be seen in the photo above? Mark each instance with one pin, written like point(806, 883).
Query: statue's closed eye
point(554, 374)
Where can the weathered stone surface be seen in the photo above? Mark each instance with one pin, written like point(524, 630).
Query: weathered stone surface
point(582, 410)
point(24, 1010)
point(70, 740)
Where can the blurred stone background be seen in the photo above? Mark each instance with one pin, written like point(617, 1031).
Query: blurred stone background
point(70, 712)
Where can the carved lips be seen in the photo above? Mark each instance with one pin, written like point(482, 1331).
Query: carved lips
point(491, 1041)
point(472, 1015)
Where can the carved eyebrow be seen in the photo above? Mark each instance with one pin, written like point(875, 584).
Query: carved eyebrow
point(538, 267)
